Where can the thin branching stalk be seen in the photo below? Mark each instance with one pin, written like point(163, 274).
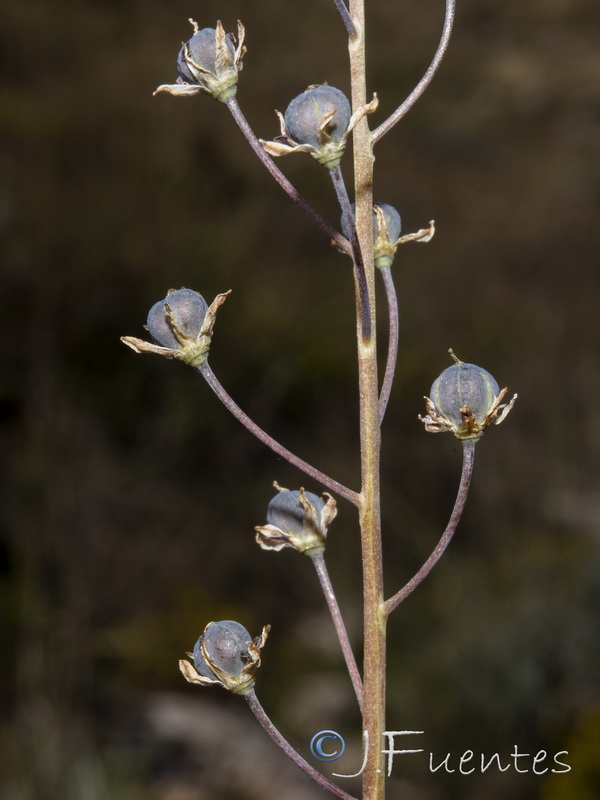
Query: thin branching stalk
point(357, 257)
point(346, 18)
point(230, 404)
point(287, 748)
point(318, 219)
point(412, 98)
point(370, 516)
point(459, 505)
point(340, 627)
point(392, 351)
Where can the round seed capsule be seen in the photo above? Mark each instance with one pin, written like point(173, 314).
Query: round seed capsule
point(464, 385)
point(202, 49)
point(304, 115)
point(188, 310)
point(285, 512)
point(226, 647)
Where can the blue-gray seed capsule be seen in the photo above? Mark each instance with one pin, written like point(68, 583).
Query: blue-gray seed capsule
point(285, 512)
point(188, 310)
point(202, 48)
point(464, 385)
point(304, 115)
point(226, 646)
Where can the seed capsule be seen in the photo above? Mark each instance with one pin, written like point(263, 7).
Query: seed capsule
point(464, 385)
point(181, 325)
point(202, 50)
point(306, 117)
point(208, 62)
point(297, 519)
point(464, 400)
point(225, 655)
point(386, 232)
point(225, 644)
point(318, 122)
point(187, 311)
point(285, 511)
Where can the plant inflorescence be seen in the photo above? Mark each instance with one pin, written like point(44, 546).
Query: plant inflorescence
point(464, 399)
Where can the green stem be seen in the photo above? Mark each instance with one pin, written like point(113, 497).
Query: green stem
point(370, 518)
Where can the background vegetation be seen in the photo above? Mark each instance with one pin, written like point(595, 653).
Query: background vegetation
point(129, 496)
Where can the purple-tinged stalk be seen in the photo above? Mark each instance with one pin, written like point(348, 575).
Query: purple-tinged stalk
point(465, 400)
point(181, 326)
point(287, 748)
point(342, 10)
point(416, 93)
point(393, 338)
point(318, 219)
point(300, 520)
point(440, 548)
point(226, 655)
point(340, 627)
point(357, 256)
point(230, 404)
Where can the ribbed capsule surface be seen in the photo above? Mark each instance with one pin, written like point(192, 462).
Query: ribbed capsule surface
point(285, 512)
point(188, 309)
point(464, 384)
point(304, 115)
point(226, 647)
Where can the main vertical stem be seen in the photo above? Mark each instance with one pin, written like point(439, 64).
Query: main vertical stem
point(370, 518)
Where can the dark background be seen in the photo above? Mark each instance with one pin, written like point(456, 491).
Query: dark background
point(129, 495)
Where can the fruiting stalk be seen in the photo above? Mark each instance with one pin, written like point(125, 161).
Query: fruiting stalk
point(440, 548)
point(370, 517)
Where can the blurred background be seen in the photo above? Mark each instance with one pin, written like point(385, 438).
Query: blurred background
point(129, 495)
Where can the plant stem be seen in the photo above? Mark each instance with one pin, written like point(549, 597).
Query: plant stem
point(459, 505)
point(392, 351)
point(359, 265)
point(264, 437)
point(370, 517)
point(287, 748)
point(412, 98)
point(320, 221)
point(340, 628)
point(346, 18)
